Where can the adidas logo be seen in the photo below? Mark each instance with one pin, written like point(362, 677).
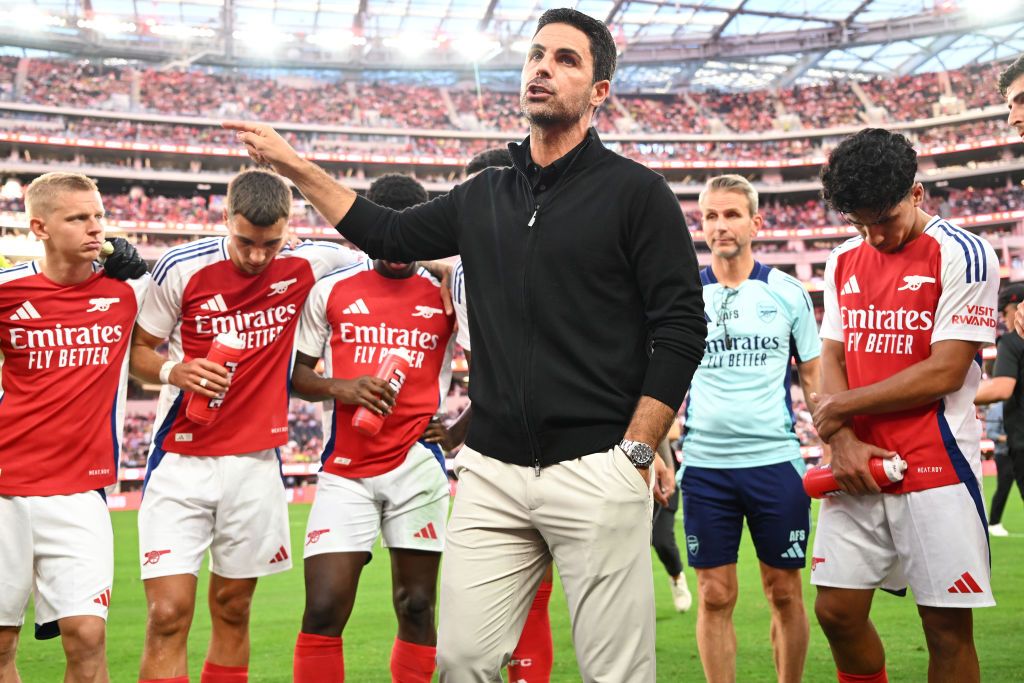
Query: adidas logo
point(357, 307)
point(281, 556)
point(794, 552)
point(26, 311)
point(851, 286)
point(965, 584)
point(426, 532)
point(103, 598)
point(215, 304)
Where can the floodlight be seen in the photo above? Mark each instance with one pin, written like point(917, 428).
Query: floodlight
point(257, 36)
point(476, 47)
point(108, 25)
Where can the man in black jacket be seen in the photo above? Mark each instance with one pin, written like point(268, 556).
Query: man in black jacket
point(588, 325)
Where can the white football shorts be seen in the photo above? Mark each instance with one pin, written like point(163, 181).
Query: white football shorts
point(408, 505)
point(934, 541)
point(233, 505)
point(62, 549)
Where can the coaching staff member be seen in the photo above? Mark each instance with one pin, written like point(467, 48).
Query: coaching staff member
point(588, 325)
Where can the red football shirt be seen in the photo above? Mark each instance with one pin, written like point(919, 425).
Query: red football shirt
point(887, 310)
point(352, 319)
point(65, 369)
point(198, 293)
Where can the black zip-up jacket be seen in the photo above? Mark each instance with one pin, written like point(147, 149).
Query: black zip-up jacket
point(583, 298)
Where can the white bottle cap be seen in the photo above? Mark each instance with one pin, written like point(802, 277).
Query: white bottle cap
point(231, 340)
point(894, 468)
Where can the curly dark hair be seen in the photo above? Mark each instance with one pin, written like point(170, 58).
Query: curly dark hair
point(871, 171)
point(496, 156)
point(396, 191)
point(1010, 74)
point(602, 45)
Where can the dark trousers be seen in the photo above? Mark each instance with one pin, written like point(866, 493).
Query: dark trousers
point(1009, 466)
point(663, 535)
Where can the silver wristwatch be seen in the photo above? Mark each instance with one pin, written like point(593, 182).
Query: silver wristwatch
point(639, 453)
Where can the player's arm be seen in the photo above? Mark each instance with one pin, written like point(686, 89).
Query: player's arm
point(145, 364)
point(437, 433)
point(849, 455)
point(451, 436)
point(955, 341)
point(428, 231)
point(443, 273)
point(943, 372)
point(1000, 386)
point(994, 389)
point(366, 391)
point(810, 380)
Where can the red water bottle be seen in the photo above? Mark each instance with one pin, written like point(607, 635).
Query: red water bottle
point(393, 369)
point(226, 350)
point(820, 482)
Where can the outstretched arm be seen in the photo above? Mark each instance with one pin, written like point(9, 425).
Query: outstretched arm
point(266, 146)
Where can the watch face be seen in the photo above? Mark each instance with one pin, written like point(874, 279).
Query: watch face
point(640, 454)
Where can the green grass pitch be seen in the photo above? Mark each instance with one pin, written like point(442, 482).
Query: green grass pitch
point(368, 638)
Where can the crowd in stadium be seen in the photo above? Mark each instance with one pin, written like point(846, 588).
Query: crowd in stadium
point(196, 92)
point(127, 131)
point(136, 205)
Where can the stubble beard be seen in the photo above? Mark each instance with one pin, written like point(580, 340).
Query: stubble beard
point(553, 113)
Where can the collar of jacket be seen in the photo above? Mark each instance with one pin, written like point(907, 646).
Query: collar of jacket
point(591, 152)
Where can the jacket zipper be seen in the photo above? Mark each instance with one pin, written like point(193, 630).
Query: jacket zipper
point(528, 353)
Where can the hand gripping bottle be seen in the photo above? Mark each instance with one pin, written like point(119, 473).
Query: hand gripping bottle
point(226, 350)
point(820, 482)
point(393, 370)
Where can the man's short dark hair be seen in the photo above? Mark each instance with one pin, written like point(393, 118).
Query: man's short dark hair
point(1010, 74)
point(602, 45)
point(872, 171)
point(1010, 294)
point(261, 197)
point(396, 191)
point(496, 156)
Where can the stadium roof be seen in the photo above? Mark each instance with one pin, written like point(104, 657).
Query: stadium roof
point(665, 44)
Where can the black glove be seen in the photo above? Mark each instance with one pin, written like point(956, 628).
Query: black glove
point(124, 263)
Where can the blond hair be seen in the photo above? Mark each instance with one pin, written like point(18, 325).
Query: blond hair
point(731, 183)
point(42, 193)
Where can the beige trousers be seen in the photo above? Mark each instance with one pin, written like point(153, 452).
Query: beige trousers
point(593, 516)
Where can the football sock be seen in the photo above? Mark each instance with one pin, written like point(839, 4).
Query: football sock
point(318, 659)
point(176, 679)
point(879, 677)
point(215, 673)
point(412, 663)
point(533, 657)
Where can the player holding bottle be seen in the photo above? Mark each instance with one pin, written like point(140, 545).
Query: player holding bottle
point(218, 487)
point(391, 482)
point(907, 306)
